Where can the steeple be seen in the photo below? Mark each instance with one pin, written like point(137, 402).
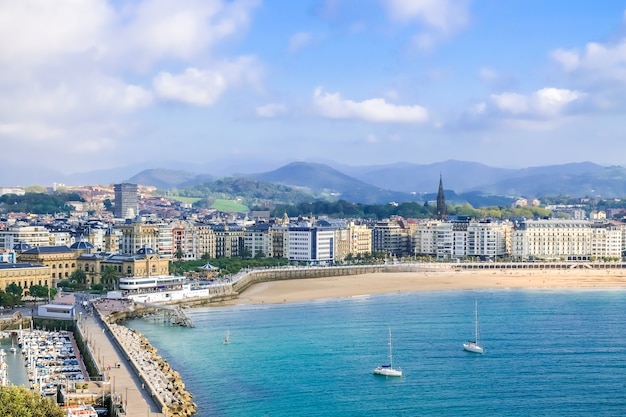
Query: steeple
point(441, 212)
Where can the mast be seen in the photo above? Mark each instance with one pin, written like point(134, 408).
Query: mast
point(390, 351)
point(476, 321)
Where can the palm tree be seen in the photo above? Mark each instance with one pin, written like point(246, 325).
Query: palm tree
point(109, 277)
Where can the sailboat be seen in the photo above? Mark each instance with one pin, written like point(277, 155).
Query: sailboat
point(388, 370)
point(227, 337)
point(472, 345)
point(13, 348)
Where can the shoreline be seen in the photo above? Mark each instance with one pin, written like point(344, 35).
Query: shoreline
point(302, 290)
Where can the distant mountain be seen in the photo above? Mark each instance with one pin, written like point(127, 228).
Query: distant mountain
point(608, 182)
point(167, 178)
point(327, 182)
point(457, 175)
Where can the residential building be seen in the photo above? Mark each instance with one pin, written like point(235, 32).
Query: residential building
point(32, 235)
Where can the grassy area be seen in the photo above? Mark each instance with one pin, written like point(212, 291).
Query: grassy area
point(187, 200)
point(229, 206)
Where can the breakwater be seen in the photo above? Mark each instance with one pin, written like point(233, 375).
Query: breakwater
point(165, 384)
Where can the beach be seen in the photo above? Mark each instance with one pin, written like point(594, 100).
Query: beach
point(300, 290)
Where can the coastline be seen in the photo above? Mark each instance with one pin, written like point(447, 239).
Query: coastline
point(302, 290)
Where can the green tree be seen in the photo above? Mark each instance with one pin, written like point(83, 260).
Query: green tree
point(14, 289)
point(18, 401)
point(179, 253)
point(79, 277)
point(40, 291)
point(109, 277)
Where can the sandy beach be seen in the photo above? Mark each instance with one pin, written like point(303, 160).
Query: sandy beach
point(298, 290)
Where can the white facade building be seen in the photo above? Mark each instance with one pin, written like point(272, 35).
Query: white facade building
point(33, 235)
point(553, 240)
point(311, 244)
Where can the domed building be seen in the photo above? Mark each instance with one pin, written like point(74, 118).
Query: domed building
point(145, 263)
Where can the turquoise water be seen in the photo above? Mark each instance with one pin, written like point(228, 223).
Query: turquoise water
point(546, 353)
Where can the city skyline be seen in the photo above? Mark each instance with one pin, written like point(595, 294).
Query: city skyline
point(254, 84)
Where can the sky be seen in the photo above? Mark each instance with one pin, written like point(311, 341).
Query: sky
point(256, 84)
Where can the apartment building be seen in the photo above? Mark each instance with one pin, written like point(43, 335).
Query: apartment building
point(311, 244)
point(32, 235)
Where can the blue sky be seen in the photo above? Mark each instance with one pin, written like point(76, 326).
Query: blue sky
point(249, 85)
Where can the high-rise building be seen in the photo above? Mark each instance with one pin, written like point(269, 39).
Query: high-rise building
point(125, 200)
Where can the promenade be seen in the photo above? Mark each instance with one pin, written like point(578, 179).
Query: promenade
point(122, 381)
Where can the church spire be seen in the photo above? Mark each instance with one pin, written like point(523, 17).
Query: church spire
point(441, 212)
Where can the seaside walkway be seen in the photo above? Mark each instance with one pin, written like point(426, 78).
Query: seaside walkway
point(122, 381)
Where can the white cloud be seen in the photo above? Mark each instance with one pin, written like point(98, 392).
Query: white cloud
point(444, 15)
point(193, 86)
point(182, 29)
point(299, 41)
point(271, 110)
point(597, 62)
point(68, 63)
point(547, 102)
point(375, 110)
point(439, 18)
point(37, 31)
point(204, 87)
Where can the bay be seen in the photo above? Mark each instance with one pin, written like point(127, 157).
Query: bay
point(546, 353)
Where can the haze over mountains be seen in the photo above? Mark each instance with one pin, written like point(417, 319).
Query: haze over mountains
point(399, 182)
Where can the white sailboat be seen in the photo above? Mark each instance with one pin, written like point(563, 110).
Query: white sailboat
point(227, 338)
point(388, 370)
point(473, 345)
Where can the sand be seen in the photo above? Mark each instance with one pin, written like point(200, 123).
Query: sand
point(299, 290)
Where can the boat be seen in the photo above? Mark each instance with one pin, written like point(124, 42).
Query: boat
point(13, 348)
point(227, 338)
point(473, 345)
point(388, 370)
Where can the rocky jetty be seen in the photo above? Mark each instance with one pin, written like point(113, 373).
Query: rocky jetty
point(159, 377)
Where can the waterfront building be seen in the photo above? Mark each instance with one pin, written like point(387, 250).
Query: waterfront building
point(145, 263)
point(257, 240)
point(279, 235)
point(489, 239)
point(552, 240)
point(24, 275)
point(125, 200)
point(32, 235)
point(229, 239)
point(606, 240)
point(311, 244)
point(351, 239)
point(391, 237)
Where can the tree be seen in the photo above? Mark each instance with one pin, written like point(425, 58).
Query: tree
point(179, 253)
point(79, 277)
point(14, 289)
point(109, 277)
point(17, 400)
point(39, 291)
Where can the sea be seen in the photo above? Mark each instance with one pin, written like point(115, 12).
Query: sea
point(547, 353)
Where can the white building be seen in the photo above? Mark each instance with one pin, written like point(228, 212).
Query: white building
point(311, 244)
point(33, 235)
point(553, 240)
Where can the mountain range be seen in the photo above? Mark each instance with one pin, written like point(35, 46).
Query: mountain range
point(463, 181)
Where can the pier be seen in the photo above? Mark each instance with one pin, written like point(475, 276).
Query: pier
point(175, 314)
